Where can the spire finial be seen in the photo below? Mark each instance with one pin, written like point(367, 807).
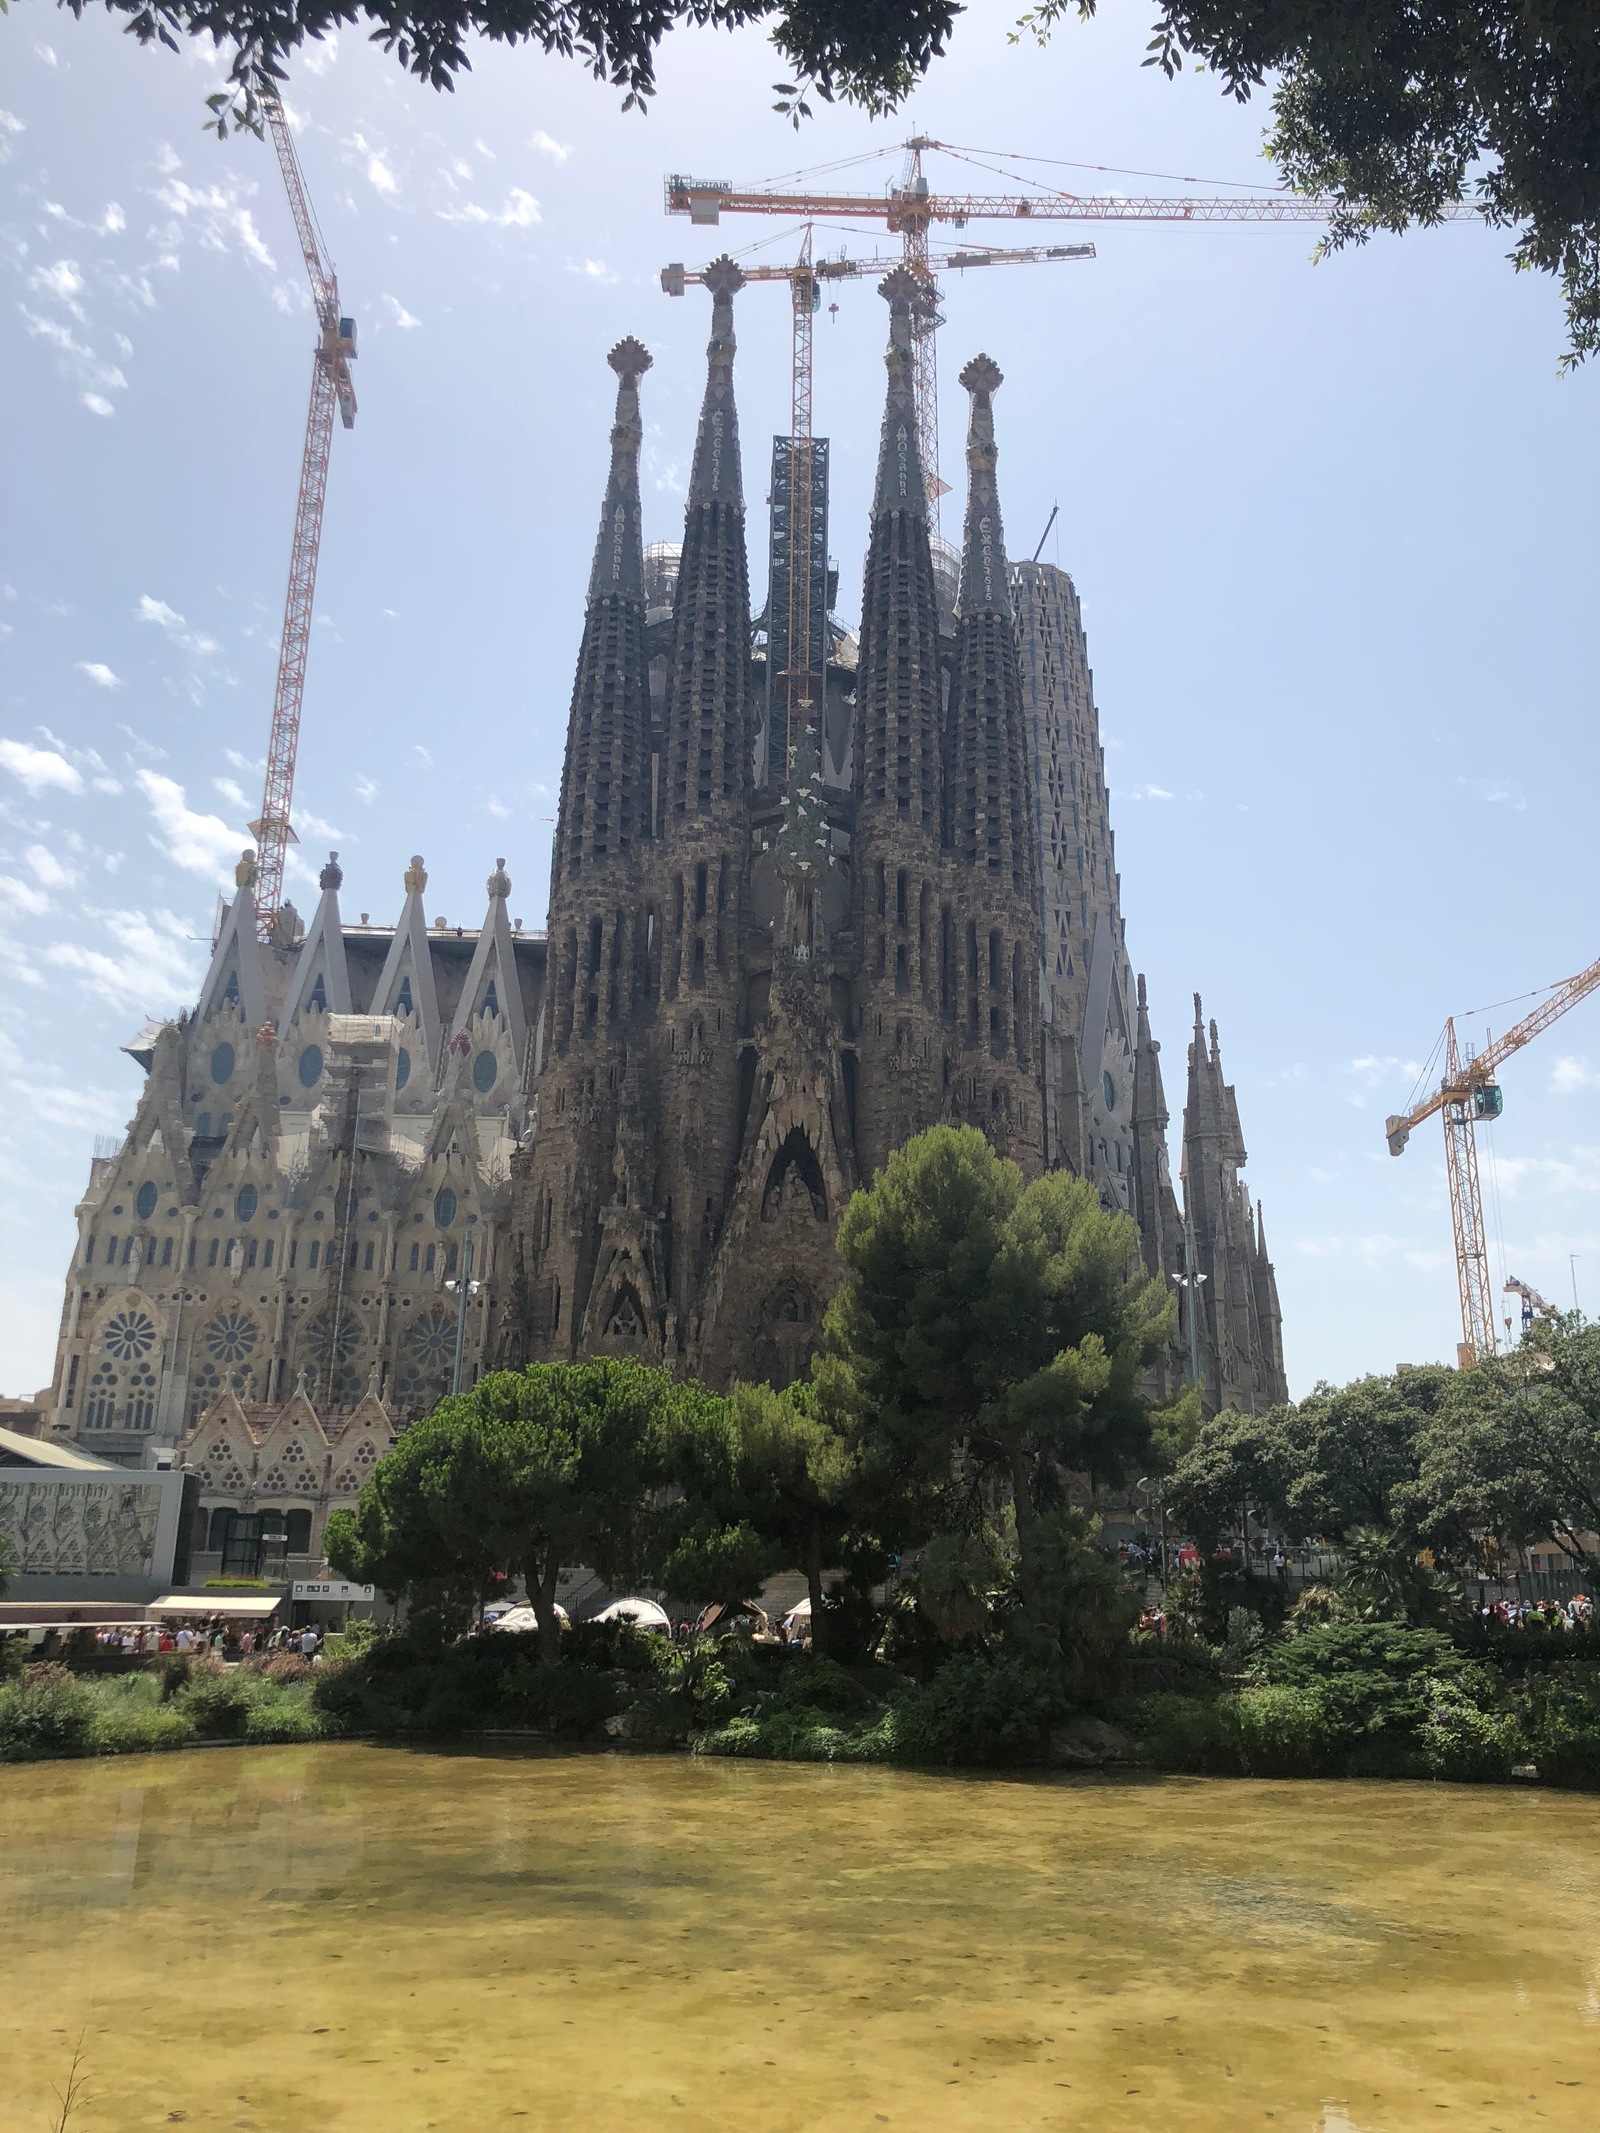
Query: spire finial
point(416, 876)
point(619, 548)
point(499, 883)
point(715, 476)
point(983, 561)
point(900, 484)
point(332, 875)
point(246, 873)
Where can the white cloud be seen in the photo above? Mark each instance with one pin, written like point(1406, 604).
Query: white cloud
point(21, 896)
point(1569, 1075)
point(150, 964)
point(1377, 1248)
point(10, 127)
point(557, 151)
point(317, 56)
point(47, 53)
point(1373, 1071)
point(423, 755)
point(100, 674)
point(520, 212)
point(195, 642)
point(1549, 1175)
point(1149, 792)
point(231, 793)
point(97, 403)
point(39, 769)
point(200, 844)
point(381, 178)
point(113, 220)
point(499, 809)
point(214, 213)
point(47, 869)
point(62, 281)
point(597, 270)
point(402, 317)
point(366, 791)
point(1497, 792)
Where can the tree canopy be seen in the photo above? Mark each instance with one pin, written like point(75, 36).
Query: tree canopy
point(1394, 108)
point(994, 1328)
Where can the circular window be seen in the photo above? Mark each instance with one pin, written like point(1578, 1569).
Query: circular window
point(402, 1067)
point(246, 1202)
point(485, 1072)
point(222, 1064)
point(1110, 1088)
point(444, 1208)
point(310, 1066)
point(144, 1205)
point(231, 1336)
point(432, 1340)
point(129, 1336)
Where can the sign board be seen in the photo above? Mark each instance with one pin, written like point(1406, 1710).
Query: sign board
point(330, 1589)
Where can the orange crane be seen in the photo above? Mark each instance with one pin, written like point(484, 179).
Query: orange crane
point(910, 208)
point(797, 676)
point(1467, 1093)
point(330, 386)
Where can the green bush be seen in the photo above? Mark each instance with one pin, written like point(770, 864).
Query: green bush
point(981, 1711)
point(1467, 1744)
point(1280, 1731)
point(288, 1716)
point(127, 1725)
point(49, 1712)
point(1195, 1734)
point(1561, 1723)
point(218, 1706)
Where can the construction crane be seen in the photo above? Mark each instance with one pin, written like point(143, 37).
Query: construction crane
point(1467, 1093)
point(1533, 1304)
point(795, 670)
point(910, 208)
point(330, 386)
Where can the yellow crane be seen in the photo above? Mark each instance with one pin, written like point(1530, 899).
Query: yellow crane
point(1467, 1093)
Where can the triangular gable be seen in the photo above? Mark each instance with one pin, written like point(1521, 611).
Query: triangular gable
point(408, 976)
point(236, 958)
point(321, 975)
point(494, 966)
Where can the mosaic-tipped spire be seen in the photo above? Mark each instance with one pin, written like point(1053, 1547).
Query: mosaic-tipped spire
point(898, 687)
point(990, 795)
point(715, 476)
point(619, 551)
point(983, 554)
point(900, 485)
point(605, 777)
point(706, 764)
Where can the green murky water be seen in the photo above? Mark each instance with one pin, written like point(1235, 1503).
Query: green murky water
point(361, 1940)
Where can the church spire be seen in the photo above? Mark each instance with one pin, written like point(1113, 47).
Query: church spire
point(898, 685)
point(707, 768)
point(605, 785)
point(990, 797)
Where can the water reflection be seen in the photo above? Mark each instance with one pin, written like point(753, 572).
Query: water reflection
point(365, 1939)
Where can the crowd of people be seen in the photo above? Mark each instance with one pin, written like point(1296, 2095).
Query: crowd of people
point(1551, 1614)
point(205, 1634)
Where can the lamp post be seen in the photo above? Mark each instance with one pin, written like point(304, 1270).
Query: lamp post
point(1189, 1281)
point(463, 1290)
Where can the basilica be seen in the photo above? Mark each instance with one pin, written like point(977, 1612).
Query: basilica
point(813, 889)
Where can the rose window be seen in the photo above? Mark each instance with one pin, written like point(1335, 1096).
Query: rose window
point(320, 1339)
point(130, 1336)
point(432, 1340)
point(231, 1336)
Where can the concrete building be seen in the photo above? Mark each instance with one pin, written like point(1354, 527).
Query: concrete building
point(780, 941)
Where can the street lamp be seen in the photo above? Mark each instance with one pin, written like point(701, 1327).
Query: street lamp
point(1189, 1281)
point(463, 1291)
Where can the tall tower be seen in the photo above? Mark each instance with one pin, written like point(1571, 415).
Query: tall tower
point(599, 930)
point(989, 924)
point(898, 863)
point(698, 880)
point(1088, 1037)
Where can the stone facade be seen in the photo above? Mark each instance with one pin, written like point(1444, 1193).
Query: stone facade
point(777, 947)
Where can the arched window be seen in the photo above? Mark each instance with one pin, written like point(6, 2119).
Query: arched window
point(144, 1205)
point(402, 1068)
point(245, 1202)
point(444, 1207)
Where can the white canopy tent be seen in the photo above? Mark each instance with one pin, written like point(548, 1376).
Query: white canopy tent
point(643, 1614)
point(522, 1621)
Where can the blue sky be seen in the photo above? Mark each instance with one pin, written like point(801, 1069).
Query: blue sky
point(1333, 527)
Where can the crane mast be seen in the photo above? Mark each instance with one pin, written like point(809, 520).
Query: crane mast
point(330, 387)
point(1468, 1093)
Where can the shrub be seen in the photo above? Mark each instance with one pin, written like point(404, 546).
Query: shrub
point(282, 1667)
point(1195, 1734)
point(1281, 1731)
point(126, 1725)
point(218, 1705)
point(287, 1717)
point(570, 1699)
point(978, 1710)
point(1562, 1725)
point(1468, 1745)
point(49, 1712)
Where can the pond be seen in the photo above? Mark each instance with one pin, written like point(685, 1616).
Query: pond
point(356, 1939)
